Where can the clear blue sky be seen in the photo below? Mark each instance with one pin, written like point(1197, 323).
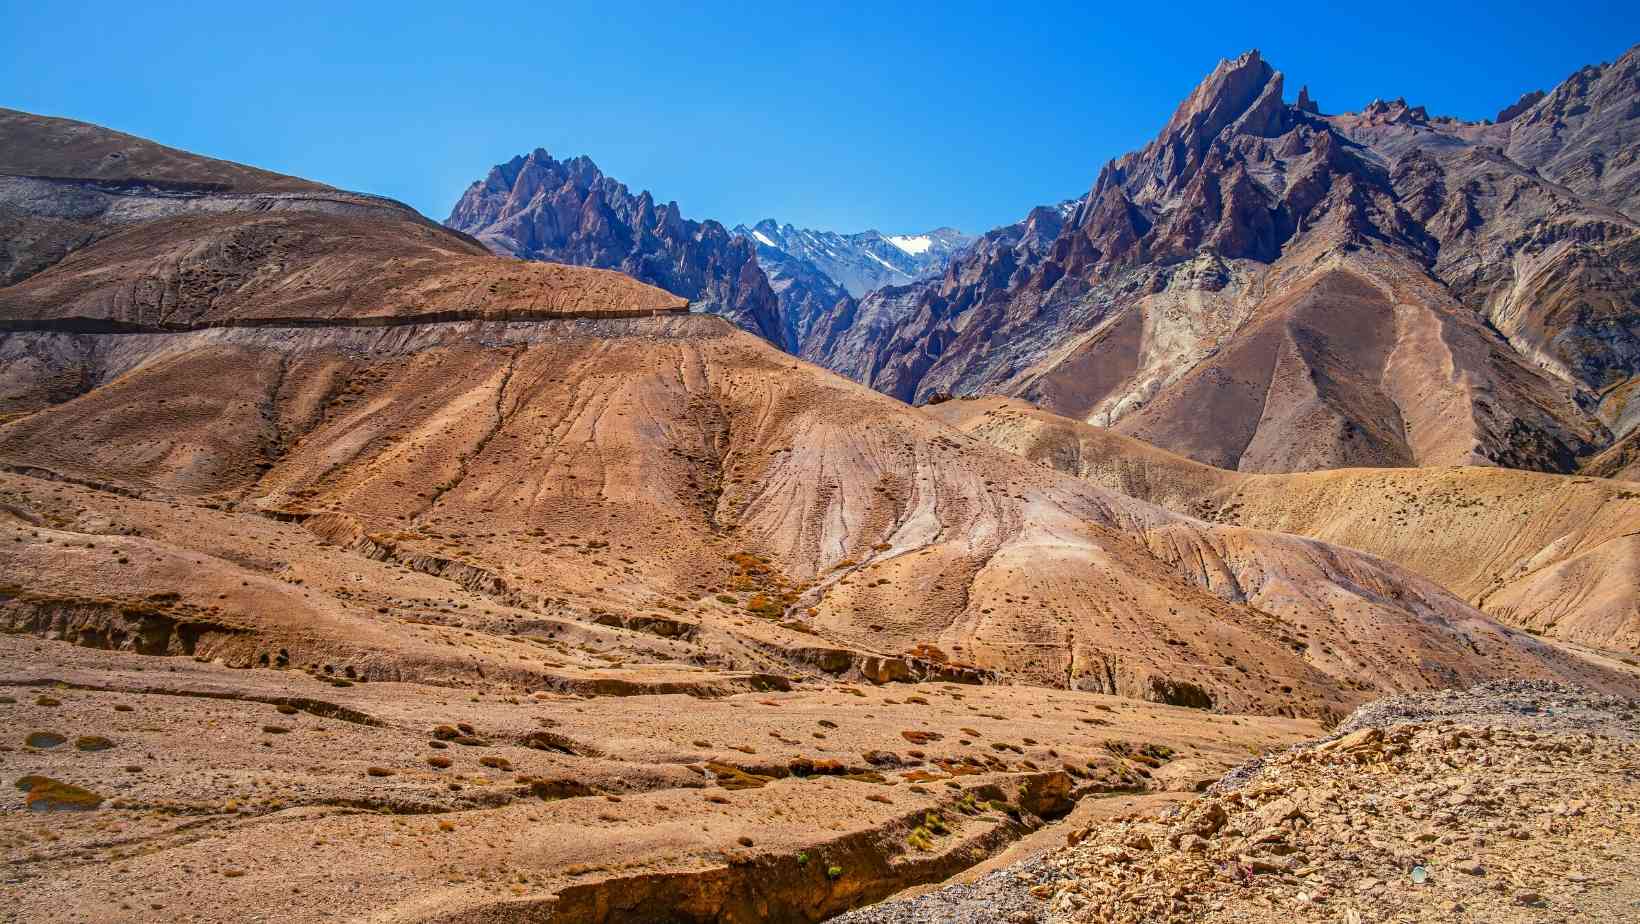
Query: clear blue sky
point(833, 115)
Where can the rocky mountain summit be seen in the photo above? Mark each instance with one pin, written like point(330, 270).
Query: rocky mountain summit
point(1305, 278)
point(1583, 134)
point(537, 208)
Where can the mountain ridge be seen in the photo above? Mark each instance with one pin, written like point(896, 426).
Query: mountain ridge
point(1203, 265)
point(535, 207)
point(819, 275)
point(775, 281)
point(864, 261)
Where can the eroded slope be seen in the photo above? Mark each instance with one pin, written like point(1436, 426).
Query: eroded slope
point(677, 468)
point(1557, 555)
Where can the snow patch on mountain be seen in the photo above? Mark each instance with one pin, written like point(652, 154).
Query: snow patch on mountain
point(915, 246)
point(891, 267)
point(860, 262)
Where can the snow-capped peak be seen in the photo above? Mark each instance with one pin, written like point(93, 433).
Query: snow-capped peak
point(858, 262)
point(914, 245)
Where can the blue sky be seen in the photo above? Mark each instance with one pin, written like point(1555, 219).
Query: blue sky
point(834, 115)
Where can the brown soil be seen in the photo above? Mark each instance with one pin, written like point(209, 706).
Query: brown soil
point(1556, 555)
point(647, 799)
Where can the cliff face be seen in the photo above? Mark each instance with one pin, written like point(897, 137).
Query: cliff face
point(1269, 288)
point(1585, 134)
point(537, 208)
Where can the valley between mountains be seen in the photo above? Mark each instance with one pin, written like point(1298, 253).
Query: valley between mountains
point(574, 561)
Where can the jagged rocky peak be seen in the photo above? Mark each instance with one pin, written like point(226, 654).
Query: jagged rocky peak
point(1243, 208)
point(1043, 224)
point(1221, 174)
point(1395, 111)
point(1242, 96)
point(1526, 101)
point(1583, 133)
point(1594, 87)
point(1243, 92)
point(1305, 103)
point(538, 208)
point(509, 187)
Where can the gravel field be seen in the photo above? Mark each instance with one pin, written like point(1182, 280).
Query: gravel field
point(1407, 780)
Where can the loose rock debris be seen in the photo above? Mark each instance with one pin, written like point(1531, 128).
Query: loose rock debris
point(1509, 802)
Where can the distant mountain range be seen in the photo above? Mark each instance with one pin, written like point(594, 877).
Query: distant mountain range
point(774, 280)
point(859, 263)
point(854, 338)
point(819, 274)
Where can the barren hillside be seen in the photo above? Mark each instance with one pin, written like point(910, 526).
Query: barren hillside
point(677, 466)
point(1556, 555)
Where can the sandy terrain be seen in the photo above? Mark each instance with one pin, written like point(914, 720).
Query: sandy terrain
point(390, 801)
